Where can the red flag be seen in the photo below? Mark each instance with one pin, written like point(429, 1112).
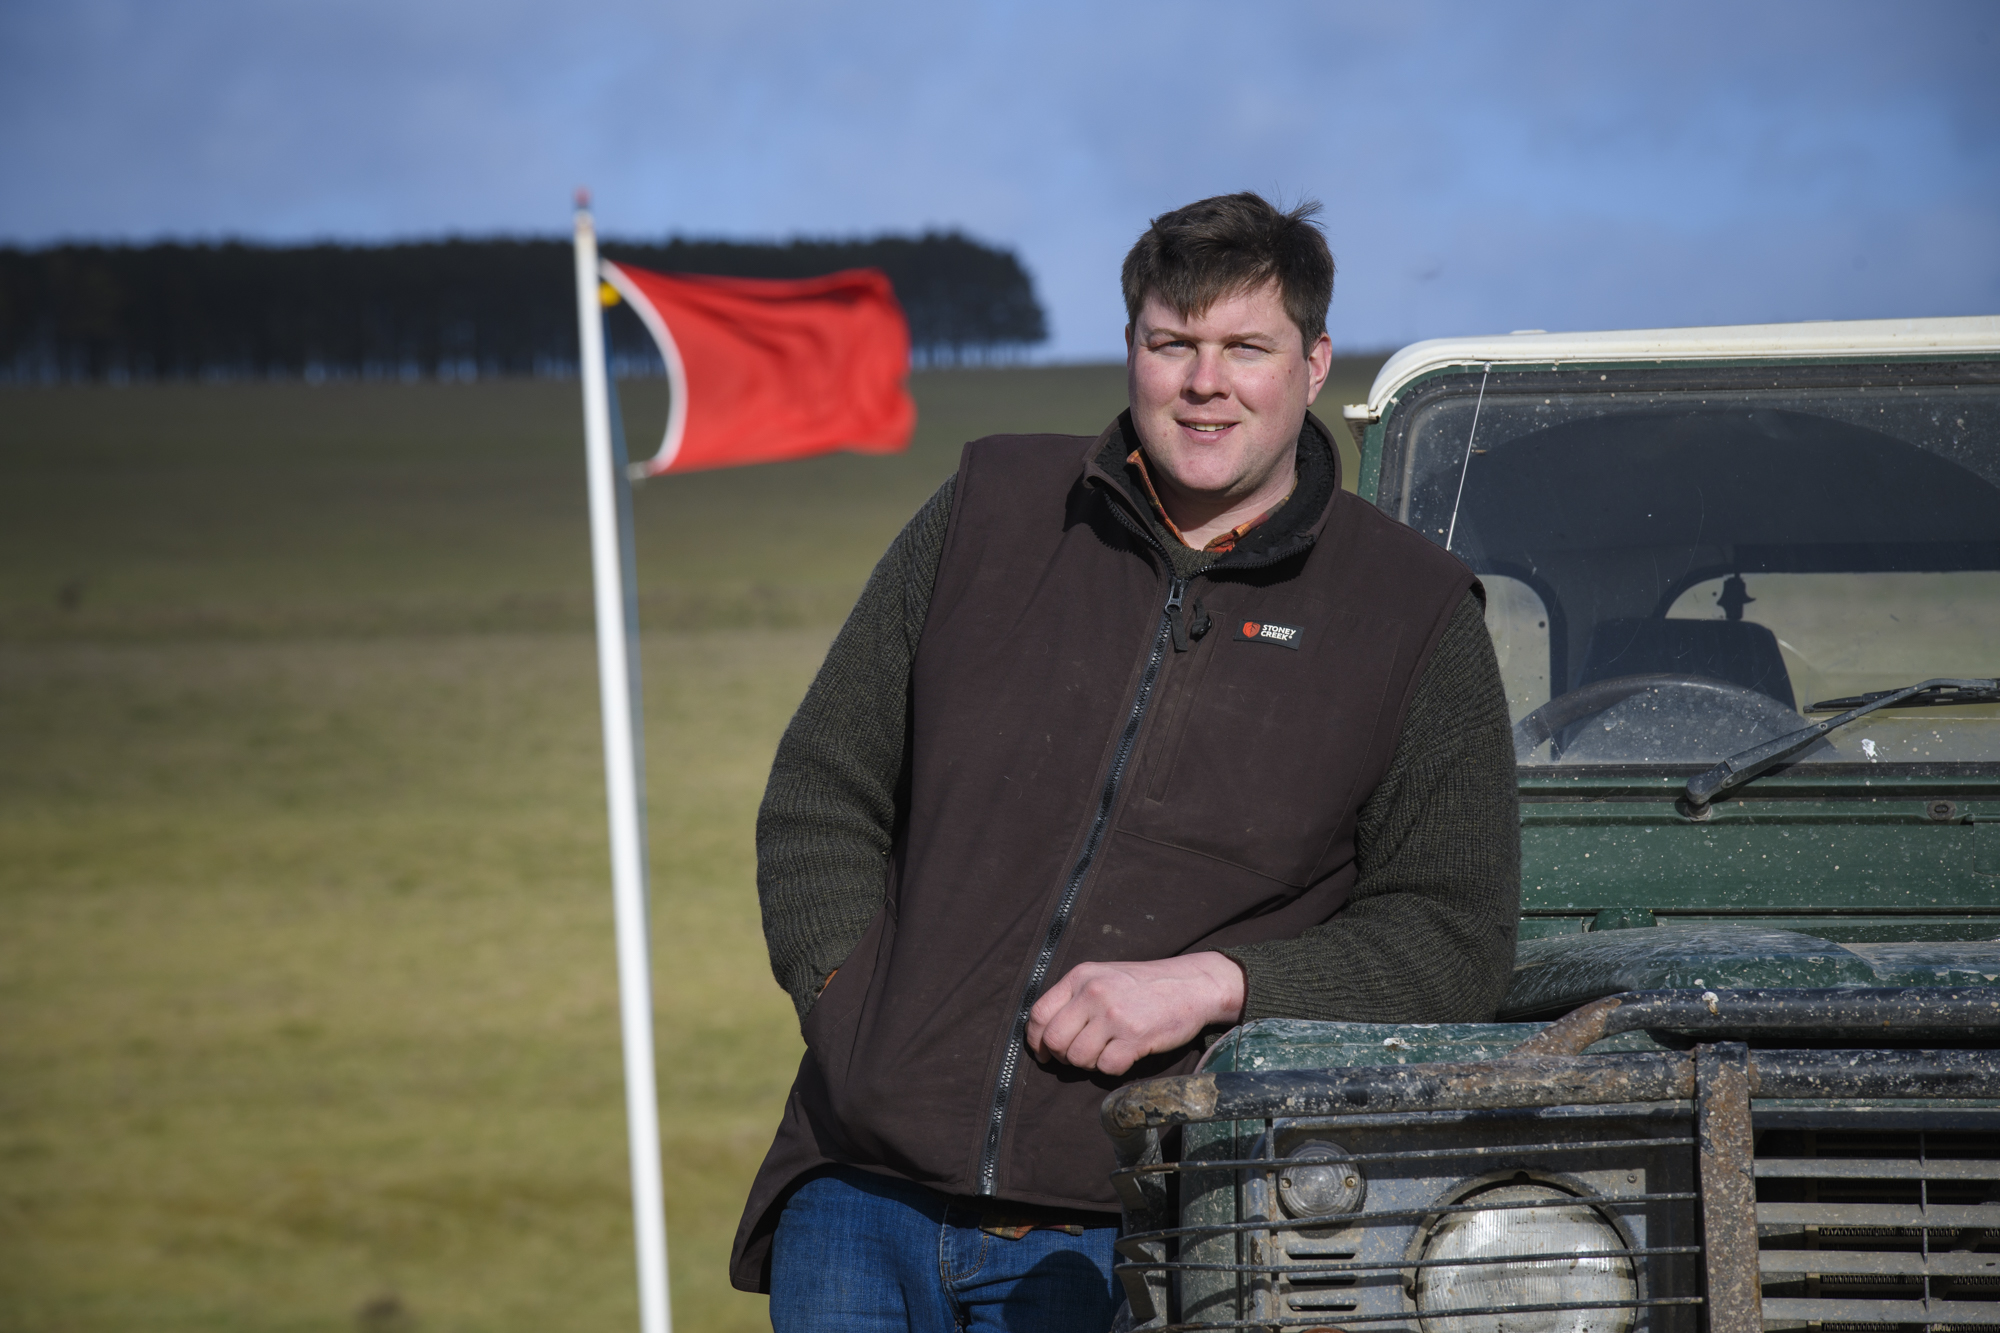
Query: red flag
point(763, 370)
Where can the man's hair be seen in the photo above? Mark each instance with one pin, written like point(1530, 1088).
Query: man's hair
point(1196, 255)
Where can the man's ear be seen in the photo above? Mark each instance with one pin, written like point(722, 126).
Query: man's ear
point(1319, 361)
point(1128, 338)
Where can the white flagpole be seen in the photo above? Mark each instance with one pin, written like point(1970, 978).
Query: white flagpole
point(617, 656)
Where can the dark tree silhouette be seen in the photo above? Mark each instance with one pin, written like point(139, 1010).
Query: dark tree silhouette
point(451, 309)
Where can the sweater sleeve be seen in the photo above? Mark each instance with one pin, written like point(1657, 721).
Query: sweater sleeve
point(1428, 935)
point(829, 809)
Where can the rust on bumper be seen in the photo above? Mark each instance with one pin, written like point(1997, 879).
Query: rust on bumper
point(1579, 1080)
point(1728, 1188)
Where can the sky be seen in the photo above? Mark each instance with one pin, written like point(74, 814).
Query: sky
point(1484, 167)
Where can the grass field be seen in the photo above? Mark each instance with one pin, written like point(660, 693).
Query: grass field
point(307, 1004)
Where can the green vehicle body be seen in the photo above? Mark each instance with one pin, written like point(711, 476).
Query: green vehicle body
point(1834, 876)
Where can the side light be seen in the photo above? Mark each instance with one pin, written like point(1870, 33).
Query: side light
point(1562, 1229)
point(1319, 1179)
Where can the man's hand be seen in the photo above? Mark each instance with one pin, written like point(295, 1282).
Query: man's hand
point(1106, 1016)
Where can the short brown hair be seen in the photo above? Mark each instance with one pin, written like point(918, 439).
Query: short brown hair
point(1195, 255)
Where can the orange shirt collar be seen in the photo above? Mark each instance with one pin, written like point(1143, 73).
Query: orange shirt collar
point(1222, 541)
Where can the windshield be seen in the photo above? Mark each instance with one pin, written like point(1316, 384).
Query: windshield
point(1752, 550)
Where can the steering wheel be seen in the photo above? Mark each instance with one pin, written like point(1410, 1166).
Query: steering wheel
point(1587, 701)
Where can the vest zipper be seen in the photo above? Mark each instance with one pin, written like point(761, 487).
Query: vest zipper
point(1010, 1061)
point(1107, 798)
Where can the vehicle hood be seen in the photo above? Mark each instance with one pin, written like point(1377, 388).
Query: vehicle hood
point(1558, 973)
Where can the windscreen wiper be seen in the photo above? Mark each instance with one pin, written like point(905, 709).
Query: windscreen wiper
point(1740, 768)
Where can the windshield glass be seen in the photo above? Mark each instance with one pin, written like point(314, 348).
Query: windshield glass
point(1749, 551)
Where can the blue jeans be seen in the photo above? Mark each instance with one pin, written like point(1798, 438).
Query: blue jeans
point(861, 1253)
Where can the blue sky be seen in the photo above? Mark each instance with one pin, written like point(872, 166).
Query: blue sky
point(1485, 167)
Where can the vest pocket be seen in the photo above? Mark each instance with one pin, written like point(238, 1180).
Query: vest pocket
point(1158, 901)
point(1273, 743)
point(831, 1025)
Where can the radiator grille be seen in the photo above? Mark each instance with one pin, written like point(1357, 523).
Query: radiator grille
point(1241, 1259)
point(1866, 1229)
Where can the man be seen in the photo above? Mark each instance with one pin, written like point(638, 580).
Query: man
point(1128, 740)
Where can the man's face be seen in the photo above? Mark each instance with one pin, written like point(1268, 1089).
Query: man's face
point(1219, 398)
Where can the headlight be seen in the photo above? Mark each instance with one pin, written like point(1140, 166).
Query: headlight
point(1567, 1226)
point(1319, 1180)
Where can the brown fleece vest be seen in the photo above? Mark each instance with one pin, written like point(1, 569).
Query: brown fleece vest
point(1082, 788)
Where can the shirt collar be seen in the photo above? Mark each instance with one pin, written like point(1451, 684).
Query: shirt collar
point(1218, 544)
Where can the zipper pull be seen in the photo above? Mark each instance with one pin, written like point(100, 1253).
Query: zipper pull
point(1175, 620)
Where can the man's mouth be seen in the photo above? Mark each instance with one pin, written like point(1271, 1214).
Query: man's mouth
point(1208, 427)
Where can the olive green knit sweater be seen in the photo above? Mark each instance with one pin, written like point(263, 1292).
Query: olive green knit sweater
point(1426, 937)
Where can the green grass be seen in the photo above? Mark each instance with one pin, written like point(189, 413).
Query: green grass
point(307, 1002)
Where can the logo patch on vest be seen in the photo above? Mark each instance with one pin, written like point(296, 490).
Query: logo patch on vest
point(1265, 631)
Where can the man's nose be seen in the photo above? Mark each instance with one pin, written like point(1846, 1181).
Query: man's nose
point(1207, 378)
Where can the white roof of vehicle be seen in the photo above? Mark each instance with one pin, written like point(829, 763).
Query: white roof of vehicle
point(1888, 337)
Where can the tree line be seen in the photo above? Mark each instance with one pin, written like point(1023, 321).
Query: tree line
point(449, 309)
